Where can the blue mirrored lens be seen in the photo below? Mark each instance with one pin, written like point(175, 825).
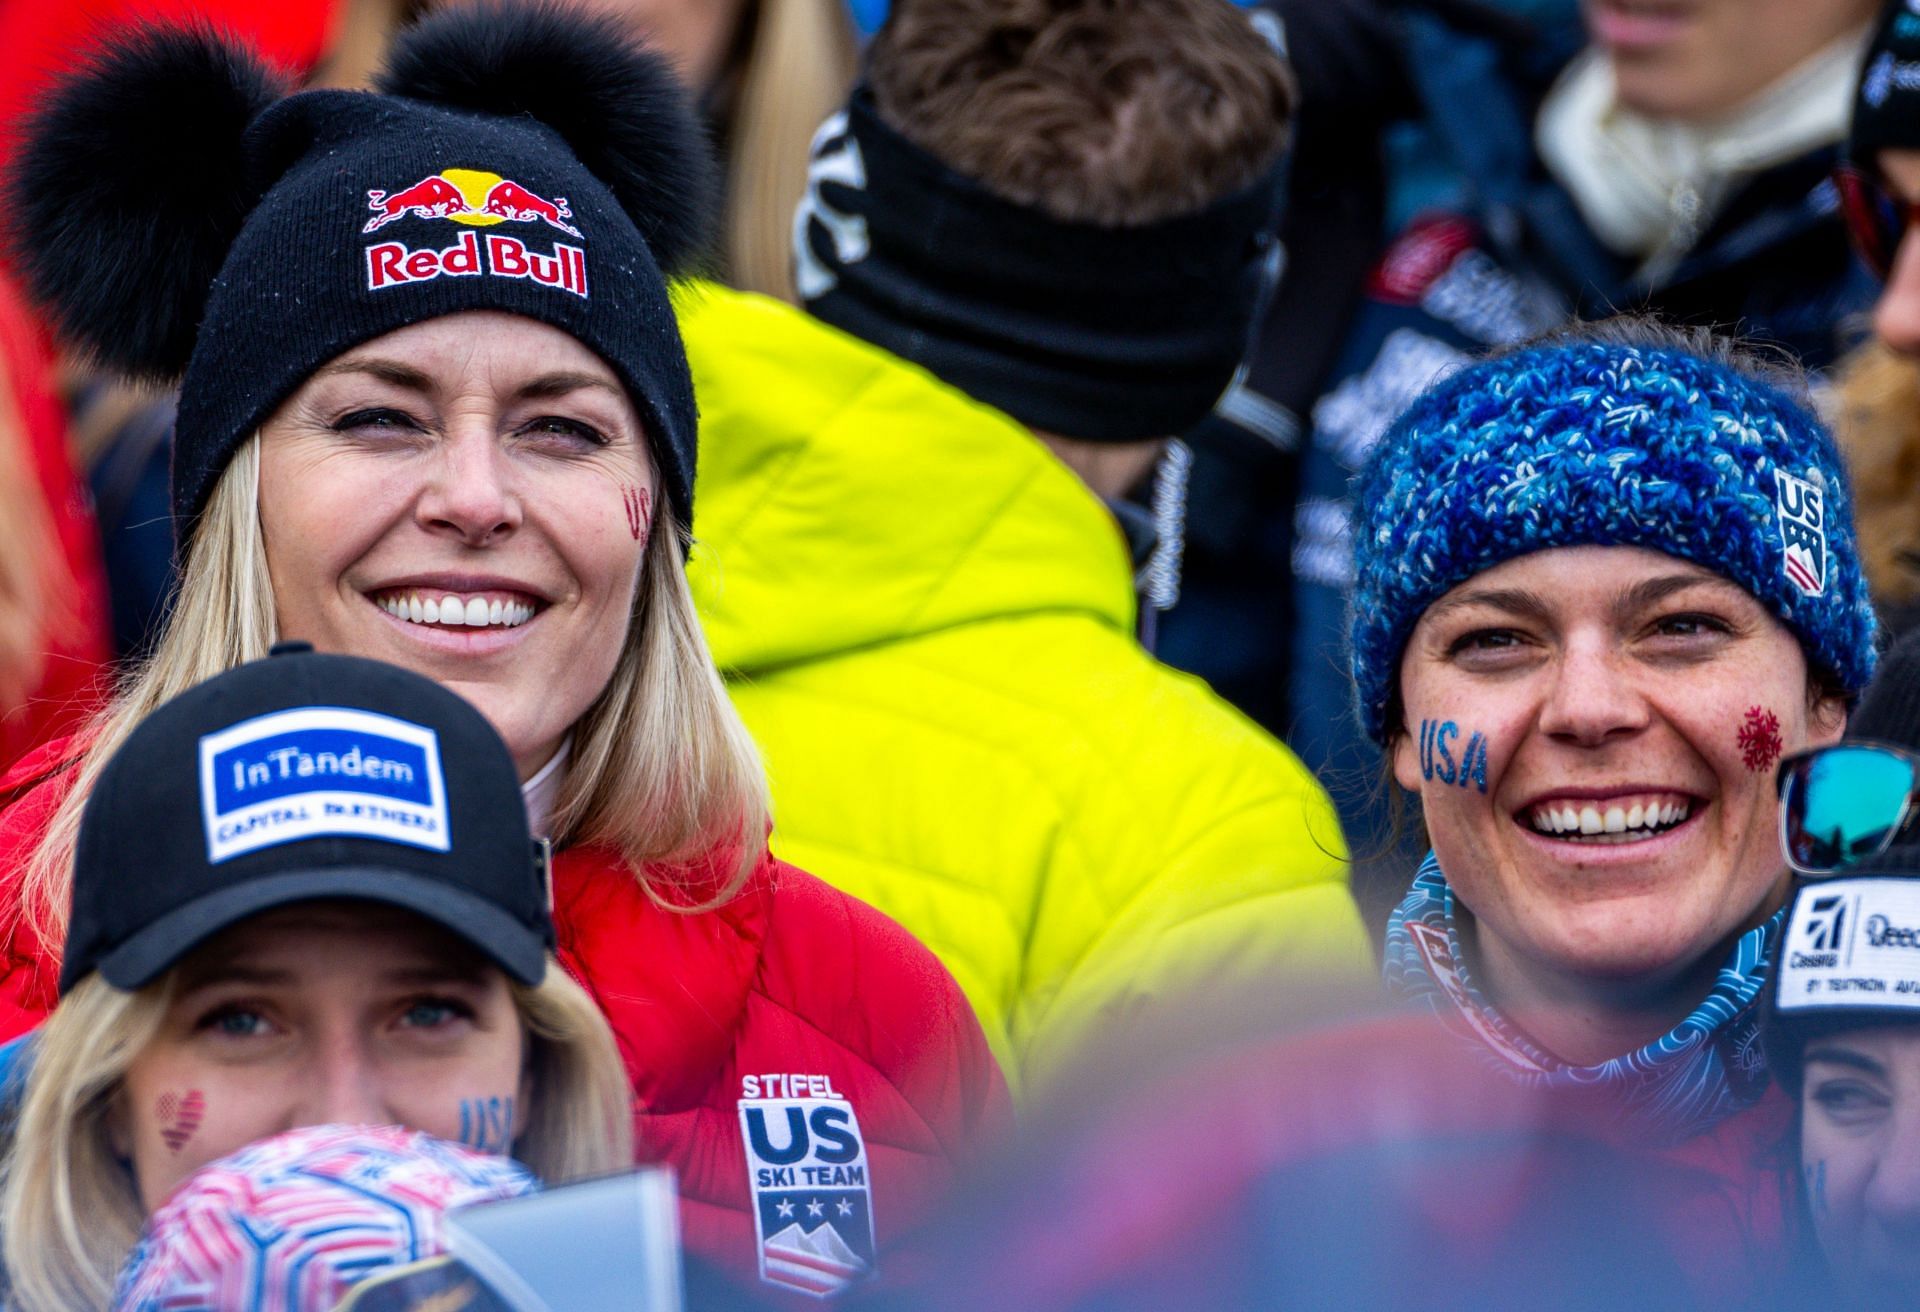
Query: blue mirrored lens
point(1844, 804)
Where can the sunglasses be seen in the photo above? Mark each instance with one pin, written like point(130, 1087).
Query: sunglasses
point(1876, 219)
point(1845, 804)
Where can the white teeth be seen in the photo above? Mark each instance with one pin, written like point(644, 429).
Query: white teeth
point(473, 613)
point(1603, 823)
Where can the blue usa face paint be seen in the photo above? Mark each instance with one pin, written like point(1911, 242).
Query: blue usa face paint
point(486, 1124)
point(1445, 759)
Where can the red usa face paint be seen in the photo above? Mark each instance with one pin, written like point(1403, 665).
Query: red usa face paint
point(639, 509)
point(1759, 739)
point(180, 1115)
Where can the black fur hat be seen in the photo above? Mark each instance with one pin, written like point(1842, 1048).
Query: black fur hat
point(181, 217)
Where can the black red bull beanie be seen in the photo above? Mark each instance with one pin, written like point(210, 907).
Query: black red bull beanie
point(182, 218)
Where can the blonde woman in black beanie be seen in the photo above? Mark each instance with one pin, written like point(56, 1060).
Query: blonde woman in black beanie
point(434, 410)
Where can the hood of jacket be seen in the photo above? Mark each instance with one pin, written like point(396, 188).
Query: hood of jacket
point(847, 498)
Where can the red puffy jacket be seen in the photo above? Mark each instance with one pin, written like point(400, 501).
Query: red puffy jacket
point(794, 1026)
point(75, 637)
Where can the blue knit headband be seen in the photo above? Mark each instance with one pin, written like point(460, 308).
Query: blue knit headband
point(1585, 443)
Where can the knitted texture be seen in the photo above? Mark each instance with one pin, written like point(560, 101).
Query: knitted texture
point(305, 281)
point(179, 220)
point(290, 1223)
point(1588, 443)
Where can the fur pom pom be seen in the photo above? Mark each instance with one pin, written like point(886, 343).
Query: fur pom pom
point(130, 188)
point(618, 106)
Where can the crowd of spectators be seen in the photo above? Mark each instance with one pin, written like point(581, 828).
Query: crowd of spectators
point(959, 653)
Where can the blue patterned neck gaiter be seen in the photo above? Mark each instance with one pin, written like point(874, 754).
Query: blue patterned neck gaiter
point(1706, 1068)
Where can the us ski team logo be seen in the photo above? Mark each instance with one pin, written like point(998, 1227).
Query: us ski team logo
point(812, 1198)
point(1800, 507)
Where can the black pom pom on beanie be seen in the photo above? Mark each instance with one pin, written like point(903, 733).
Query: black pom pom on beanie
point(179, 218)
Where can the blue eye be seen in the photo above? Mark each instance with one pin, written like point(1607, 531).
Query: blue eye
point(235, 1022)
point(431, 1013)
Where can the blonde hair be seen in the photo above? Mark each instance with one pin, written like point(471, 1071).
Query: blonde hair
point(69, 1210)
point(662, 770)
point(798, 67)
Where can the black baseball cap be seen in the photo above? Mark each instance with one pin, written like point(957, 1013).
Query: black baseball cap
point(297, 778)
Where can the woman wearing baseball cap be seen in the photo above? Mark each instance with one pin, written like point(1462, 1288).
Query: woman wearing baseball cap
point(304, 893)
point(1843, 1031)
point(1605, 581)
point(434, 410)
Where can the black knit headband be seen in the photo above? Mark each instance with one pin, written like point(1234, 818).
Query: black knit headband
point(1108, 334)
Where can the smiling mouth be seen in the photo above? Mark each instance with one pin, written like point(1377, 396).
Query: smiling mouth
point(450, 610)
point(1625, 819)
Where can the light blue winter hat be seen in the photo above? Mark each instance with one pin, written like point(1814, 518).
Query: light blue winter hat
point(1585, 442)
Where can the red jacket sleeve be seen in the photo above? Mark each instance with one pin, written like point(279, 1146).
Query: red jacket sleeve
point(30, 792)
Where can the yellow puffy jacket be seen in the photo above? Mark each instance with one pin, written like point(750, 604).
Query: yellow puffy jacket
point(927, 622)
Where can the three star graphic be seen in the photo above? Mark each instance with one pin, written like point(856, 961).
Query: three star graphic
point(814, 1208)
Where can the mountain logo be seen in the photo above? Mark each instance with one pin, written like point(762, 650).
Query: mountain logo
point(818, 1261)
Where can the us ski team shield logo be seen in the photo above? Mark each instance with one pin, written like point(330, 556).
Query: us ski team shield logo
point(807, 1168)
point(1800, 507)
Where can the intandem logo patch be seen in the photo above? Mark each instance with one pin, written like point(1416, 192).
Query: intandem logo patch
point(321, 771)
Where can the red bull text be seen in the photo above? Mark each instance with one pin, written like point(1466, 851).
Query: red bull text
point(395, 264)
point(477, 199)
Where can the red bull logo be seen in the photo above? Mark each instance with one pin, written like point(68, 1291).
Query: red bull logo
point(469, 196)
point(479, 199)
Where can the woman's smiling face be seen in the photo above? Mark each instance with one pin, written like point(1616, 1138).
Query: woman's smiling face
point(1592, 732)
point(469, 498)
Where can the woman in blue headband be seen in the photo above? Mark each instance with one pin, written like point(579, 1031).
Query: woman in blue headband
point(1604, 583)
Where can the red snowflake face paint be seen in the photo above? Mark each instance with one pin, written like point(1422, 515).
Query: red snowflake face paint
point(180, 1115)
point(639, 506)
point(1759, 739)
